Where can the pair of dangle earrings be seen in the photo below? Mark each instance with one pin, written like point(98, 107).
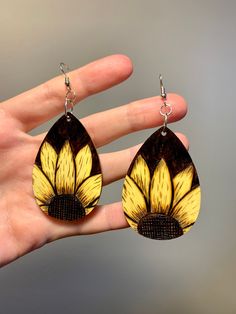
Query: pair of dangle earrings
point(161, 192)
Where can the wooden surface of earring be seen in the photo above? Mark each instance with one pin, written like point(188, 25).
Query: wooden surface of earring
point(161, 192)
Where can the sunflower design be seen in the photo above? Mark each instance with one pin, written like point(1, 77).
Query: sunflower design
point(62, 182)
point(160, 206)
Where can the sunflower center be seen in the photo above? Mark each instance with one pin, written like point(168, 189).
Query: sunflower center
point(66, 207)
point(159, 227)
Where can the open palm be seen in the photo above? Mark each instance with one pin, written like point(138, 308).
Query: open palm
point(23, 226)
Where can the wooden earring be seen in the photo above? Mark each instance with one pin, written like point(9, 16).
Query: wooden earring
point(67, 179)
point(161, 193)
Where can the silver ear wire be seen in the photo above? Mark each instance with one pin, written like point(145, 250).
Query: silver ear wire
point(162, 88)
point(166, 109)
point(70, 94)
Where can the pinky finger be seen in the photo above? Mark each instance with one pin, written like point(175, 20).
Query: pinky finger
point(102, 218)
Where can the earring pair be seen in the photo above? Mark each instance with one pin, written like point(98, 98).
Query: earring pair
point(161, 192)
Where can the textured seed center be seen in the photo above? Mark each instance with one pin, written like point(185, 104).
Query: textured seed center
point(66, 207)
point(160, 227)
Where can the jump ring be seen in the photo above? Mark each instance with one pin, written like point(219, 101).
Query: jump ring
point(166, 109)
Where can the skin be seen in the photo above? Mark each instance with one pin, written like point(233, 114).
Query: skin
point(23, 226)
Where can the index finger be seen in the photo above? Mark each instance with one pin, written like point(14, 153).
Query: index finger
point(41, 103)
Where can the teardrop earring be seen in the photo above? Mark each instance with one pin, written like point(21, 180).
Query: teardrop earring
point(161, 192)
point(67, 179)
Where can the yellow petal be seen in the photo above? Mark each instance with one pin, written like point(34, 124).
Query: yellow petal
point(89, 192)
point(40, 203)
point(65, 174)
point(48, 157)
point(44, 209)
point(43, 190)
point(161, 189)
point(141, 175)
point(182, 183)
point(133, 200)
point(83, 163)
point(185, 230)
point(186, 211)
point(132, 224)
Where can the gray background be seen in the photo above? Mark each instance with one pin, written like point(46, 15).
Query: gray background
point(193, 44)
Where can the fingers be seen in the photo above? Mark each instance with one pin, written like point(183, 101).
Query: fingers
point(38, 105)
point(109, 125)
point(115, 165)
point(102, 218)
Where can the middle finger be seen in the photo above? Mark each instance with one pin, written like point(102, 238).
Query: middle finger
point(107, 126)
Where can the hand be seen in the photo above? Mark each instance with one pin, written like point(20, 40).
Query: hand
point(23, 226)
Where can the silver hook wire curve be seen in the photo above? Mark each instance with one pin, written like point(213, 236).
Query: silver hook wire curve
point(166, 109)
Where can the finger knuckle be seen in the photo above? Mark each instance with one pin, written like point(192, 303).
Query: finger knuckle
point(135, 117)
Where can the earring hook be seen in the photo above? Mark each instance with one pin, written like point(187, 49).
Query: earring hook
point(70, 96)
point(163, 91)
point(64, 66)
